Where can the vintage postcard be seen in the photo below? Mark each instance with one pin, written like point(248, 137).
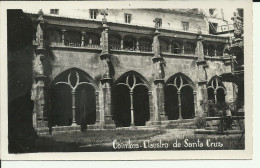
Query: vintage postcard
point(141, 80)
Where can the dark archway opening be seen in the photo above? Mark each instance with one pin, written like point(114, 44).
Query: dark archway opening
point(171, 103)
point(85, 105)
point(211, 94)
point(121, 106)
point(130, 82)
point(141, 106)
point(187, 103)
point(61, 102)
point(221, 95)
point(61, 99)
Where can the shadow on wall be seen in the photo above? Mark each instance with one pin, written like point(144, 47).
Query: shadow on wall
point(20, 107)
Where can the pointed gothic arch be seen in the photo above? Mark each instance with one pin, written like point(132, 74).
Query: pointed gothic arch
point(130, 100)
point(180, 97)
point(216, 90)
point(73, 99)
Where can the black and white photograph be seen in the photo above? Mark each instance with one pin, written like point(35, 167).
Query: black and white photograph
point(128, 79)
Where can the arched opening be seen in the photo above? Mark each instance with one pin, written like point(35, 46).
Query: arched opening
point(189, 48)
point(61, 113)
point(129, 43)
point(216, 90)
point(145, 45)
point(216, 96)
point(54, 37)
point(211, 96)
point(92, 40)
point(211, 50)
point(171, 103)
point(176, 48)
point(187, 103)
point(205, 47)
point(72, 39)
point(141, 105)
point(85, 105)
point(221, 95)
point(114, 42)
point(220, 50)
point(130, 100)
point(121, 106)
point(179, 97)
point(72, 88)
point(164, 46)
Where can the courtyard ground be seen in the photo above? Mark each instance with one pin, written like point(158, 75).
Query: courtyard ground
point(135, 140)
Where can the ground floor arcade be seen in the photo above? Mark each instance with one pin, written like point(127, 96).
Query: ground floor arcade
point(74, 98)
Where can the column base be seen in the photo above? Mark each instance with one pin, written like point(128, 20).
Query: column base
point(163, 117)
point(153, 123)
point(109, 126)
point(108, 123)
point(41, 124)
point(132, 125)
point(74, 124)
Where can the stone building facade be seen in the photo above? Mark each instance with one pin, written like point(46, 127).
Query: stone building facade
point(123, 68)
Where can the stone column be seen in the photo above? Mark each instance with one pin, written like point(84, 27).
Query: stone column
point(97, 108)
point(183, 47)
point(215, 50)
point(132, 108)
point(38, 88)
point(195, 103)
point(159, 64)
point(137, 44)
point(83, 39)
point(122, 42)
point(63, 37)
point(179, 104)
point(106, 79)
point(73, 108)
point(202, 95)
point(170, 47)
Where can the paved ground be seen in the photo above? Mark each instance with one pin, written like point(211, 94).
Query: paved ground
point(174, 134)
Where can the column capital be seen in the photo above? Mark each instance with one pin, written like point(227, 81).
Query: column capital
point(158, 81)
point(41, 77)
point(104, 56)
point(106, 80)
point(157, 33)
point(158, 59)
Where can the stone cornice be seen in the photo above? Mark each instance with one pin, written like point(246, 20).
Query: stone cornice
point(79, 24)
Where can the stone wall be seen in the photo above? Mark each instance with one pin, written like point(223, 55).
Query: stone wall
point(88, 61)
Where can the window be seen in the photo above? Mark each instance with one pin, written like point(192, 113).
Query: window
point(159, 22)
point(54, 11)
point(212, 11)
point(145, 45)
point(213, 28)
point(176, 48)
point(92, 40)
point(185, 26)
point(129, 43)
point(128, 18)
point(164, 46)
point(93, 14)
point(114, 42)
point(72, 39)
point(189, 48)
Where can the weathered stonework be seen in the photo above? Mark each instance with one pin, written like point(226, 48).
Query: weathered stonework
point(105, 69)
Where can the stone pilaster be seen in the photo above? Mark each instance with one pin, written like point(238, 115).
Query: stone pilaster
point(159, 64)
point(38, 88)
point(202, 95)
point(106, 79)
